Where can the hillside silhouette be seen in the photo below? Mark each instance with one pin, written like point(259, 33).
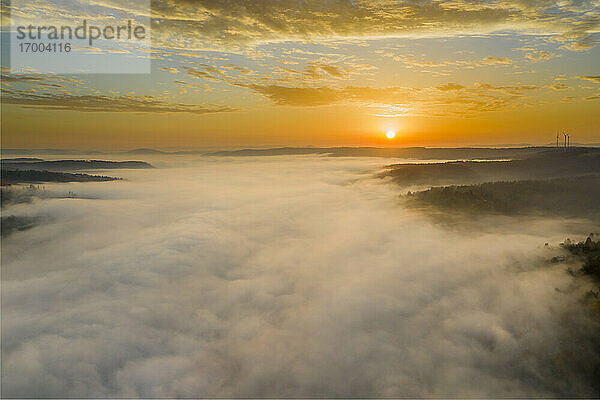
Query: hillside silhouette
point(546, 164)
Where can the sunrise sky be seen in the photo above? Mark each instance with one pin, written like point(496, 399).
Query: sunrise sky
point(328, 72)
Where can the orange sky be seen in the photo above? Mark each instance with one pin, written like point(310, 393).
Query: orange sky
point(437, 73)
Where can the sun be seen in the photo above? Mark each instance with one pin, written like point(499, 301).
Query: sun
point(390, 134)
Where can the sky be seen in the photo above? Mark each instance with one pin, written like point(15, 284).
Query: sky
point(330, 72)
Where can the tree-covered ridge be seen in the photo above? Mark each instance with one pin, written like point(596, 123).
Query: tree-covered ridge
point(578, 197)
point(70, 165)
point(589, 253)
point(36, 176)
point(20, 194)
point(554, 163)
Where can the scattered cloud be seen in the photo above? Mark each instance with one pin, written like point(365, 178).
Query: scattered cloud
point(540, 55)
point(239, 22)
point(100, 103)
point(591, 78)
point(558, 86)
point(51, 81)
point(447, 99)
point(170, 69)
point(307, 96)
point(515, 90)
point(450, 86)
point(297, 96)
point(313, 69)
point(584, 34)
point(496, 60)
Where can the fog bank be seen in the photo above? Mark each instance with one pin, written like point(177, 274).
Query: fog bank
point(281, 277)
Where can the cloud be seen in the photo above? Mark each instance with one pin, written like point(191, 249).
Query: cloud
point(22, 78)
point(591, 78)
point(450, 86)
point(540, 55)
point(578, 46)
point(313, 69)
point(199, 74)
point(448, 99)
point(118, 51)
point(583, 36)
point(297, 96)
point(240, 69)
point(559, 86)
point(309, 96)
point(53, 81)
point(496, 60)
point(170, 70)
point(567, 99)
point(239, 22)
point(194, 86)
point(192, 25)
point(211, 72)
point(100, 103)
point(288, 277)
point(515, 90)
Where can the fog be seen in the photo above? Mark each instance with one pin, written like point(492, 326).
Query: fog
point(283, 277)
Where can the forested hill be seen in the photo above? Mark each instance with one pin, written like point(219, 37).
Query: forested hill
point(10, 177)
point(567, 197)
point(553, 163)
point(72, 165)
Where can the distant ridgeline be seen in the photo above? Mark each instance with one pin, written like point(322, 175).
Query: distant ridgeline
point(69, 165)
point(420, 153)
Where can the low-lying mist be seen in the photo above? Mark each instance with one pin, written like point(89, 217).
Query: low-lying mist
point(283, 277)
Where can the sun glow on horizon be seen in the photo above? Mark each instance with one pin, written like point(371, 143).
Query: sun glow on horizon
point(390, 134)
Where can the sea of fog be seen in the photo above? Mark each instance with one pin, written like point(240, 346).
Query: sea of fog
point(280, 277)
